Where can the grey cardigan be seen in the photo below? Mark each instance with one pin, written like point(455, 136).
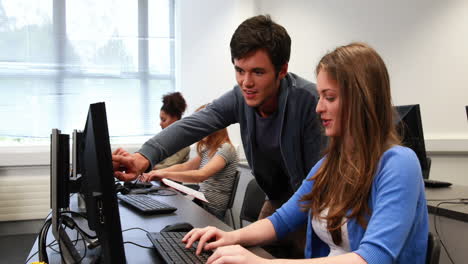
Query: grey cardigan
point(301, 138)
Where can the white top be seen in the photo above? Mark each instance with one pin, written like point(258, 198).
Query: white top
point(320, 228)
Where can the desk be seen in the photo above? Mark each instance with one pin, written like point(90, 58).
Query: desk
point(187, 211)
point(451, 221)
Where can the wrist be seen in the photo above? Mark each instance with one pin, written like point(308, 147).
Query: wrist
point(141, 163)
point(236, 237)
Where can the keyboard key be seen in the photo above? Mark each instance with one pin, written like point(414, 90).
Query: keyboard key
point(172, 250)
point(146, 204)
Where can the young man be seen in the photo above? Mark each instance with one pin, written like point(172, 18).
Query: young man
point(280, 131)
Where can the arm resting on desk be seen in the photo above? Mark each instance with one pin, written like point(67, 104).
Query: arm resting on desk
point(188, 171)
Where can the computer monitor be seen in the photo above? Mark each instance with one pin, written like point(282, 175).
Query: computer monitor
point(60, 195)
point(410, 128)
point(98, 186)
point(466, 108)
point(76, 165)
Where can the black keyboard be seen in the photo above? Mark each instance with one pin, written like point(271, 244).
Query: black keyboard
point(436, 184)
point(169, 245)
point(146, 204)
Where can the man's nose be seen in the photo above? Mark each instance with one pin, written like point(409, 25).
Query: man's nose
point(248, 80)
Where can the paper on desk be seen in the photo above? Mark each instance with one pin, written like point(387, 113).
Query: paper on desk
point(184, 189)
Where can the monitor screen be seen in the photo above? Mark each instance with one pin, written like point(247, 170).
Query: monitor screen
point(410, 128)
point(98, 186)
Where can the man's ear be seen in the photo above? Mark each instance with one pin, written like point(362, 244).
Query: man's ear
point(283, 71)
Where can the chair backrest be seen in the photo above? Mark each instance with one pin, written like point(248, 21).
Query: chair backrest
point(234, 190)
point(433, 249)
point(253, 202)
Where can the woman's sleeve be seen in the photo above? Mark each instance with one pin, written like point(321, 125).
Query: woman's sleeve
point(397, 188)
point(292, 215)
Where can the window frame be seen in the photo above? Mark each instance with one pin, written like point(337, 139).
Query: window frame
point(39, 155)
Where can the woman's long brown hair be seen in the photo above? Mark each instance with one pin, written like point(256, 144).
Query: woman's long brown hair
point(213, 141)
point(343, 182)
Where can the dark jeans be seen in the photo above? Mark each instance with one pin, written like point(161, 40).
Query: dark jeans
point(293, 244)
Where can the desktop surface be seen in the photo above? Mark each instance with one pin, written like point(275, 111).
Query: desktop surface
point(437, 198)
point(187, 211)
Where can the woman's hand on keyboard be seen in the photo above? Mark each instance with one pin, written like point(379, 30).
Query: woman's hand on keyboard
point(235, 254)
point(217, 237)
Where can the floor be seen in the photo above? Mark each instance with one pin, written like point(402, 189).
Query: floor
point(16, 247)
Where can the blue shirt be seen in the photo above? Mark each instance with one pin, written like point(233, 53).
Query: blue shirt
point(397, 230)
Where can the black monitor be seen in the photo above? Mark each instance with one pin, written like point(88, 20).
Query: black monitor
point(410, 128)
point(98, 186)
point(466, 108)
point(59, 196)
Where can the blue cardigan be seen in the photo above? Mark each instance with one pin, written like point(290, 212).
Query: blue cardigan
point(397, 230)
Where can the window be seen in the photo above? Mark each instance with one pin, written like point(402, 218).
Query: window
point(57, 57)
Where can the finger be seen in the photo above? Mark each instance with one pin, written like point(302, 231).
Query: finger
point(189, 234)
point(125, 176)
point(216, 255)
point(119, 175)
point(117, 151)
point(115, 165)
point(194, 237)
point(146, 178)
point(227, 260)
point(202, 242)
point(216, 244)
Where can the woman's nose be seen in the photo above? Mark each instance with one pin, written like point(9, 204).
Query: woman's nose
point(320, 107)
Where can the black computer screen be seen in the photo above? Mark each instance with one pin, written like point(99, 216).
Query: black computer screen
point(409, 126)
point(98, 186)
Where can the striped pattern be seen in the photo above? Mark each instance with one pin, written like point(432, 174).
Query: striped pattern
point(24, 197)
point(218, 188)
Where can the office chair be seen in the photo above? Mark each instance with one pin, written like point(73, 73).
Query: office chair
point(253, 202)
point(233, 195)
point(433, 249)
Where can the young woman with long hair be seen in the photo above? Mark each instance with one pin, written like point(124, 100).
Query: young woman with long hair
point(213, 168)
point(364, 200)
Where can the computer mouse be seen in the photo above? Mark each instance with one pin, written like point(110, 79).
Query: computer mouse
point(178, 227)
point(137, 184)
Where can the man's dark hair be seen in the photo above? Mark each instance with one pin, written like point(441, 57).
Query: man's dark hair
point(174, 104)
point(260, 32)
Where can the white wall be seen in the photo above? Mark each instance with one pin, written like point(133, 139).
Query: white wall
point(423, 42)
point(204, 31)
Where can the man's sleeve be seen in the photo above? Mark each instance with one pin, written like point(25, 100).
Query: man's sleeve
point(217, 115)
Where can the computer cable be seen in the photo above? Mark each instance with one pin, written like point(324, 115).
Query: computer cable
point(75, 214)
point(53, 243)
point(138, 245)
point(135, 228)
point(41, 242)
point(133, 243)
point(447, 201)
point(70, 223)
